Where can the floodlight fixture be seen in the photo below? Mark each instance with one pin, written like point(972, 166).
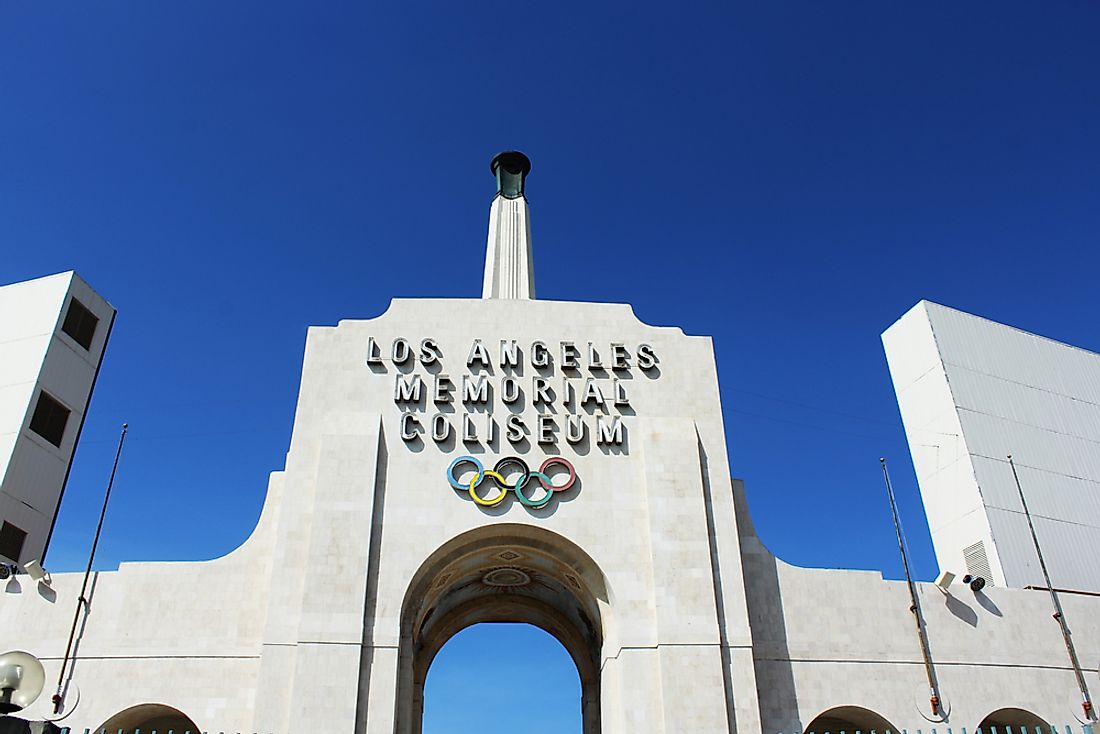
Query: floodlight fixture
point(944, 579)
point(36, 572)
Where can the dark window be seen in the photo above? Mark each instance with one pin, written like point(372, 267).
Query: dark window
point(49, 419)
point(80, 323)
point(11, 541)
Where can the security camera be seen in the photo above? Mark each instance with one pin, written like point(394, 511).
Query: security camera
point(6, 571)
point(976, 583)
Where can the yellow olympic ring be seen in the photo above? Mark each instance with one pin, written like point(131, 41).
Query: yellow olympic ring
point(483, 502)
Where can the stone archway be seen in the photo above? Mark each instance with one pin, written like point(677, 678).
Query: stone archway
point(503, 573)
point(1013, 721)
point(849, 719)
point(150, 717)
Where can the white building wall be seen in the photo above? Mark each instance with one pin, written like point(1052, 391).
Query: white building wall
point(183, 634)
point(832, 638)
point(973, 391)
point(37, 355)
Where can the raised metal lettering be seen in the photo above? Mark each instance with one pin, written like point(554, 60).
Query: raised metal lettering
point(540, 355)
point(478, 353)
point(410, 426)
point(441, 428)
point(406, 389)
point(509, 389)
point(542, 394)
point(546, 427)
point(441, 388)
point(516, 429)
point(574, 429)
point(620, 393)
point(509, 353)
point(592, 392)
point(401, 351)
point(608, 433)
point(429, 351)
point(570, 356)
point(374, 354)
point(475, 389)
point(594, 360)
point(620, 357)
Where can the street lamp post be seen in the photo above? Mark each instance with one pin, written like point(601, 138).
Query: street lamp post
point(1086, 700)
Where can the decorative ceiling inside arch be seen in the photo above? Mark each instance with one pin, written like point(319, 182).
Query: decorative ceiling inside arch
point(496, 582)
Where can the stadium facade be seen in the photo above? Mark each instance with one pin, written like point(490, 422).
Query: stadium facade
point(456, 461)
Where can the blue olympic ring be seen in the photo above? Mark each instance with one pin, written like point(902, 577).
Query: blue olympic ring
point(497, 474)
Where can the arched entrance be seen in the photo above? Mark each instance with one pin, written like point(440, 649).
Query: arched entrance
point(1013, 721)
point(150, 717)
point(849, 719)
point(503, 573)
point(489, 677)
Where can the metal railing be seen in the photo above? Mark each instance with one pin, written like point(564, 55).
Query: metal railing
point(1067, 729)
point(1077, 728)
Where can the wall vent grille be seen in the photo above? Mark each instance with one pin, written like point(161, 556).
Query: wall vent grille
point(977, 562)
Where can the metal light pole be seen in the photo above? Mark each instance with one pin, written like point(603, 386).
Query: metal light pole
point(82, 601)
point(922, 634)
point(1086, 700)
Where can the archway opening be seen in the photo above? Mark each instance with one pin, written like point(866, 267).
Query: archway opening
point(150, 717)
point(849, 720)
point(1013, 721)
point(509, 573)
point(491, 675)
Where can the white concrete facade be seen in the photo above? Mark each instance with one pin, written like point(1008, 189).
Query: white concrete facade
point(973, 391)
point(366, 559)
point(48, 346)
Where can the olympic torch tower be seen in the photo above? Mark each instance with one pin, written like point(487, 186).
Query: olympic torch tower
point(508, 271)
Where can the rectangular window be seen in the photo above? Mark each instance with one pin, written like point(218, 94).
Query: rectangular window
point(49, 419)
point(11, 541)
point(80, 323)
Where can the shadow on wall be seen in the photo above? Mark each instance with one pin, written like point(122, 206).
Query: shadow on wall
point(771, 655)
point(374, 554)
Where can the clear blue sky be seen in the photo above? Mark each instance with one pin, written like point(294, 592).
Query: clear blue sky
point(788, 177)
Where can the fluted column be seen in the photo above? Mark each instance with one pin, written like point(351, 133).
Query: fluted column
point(509, 272)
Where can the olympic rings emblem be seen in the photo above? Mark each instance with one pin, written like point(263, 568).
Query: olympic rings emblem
point(500, 470)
